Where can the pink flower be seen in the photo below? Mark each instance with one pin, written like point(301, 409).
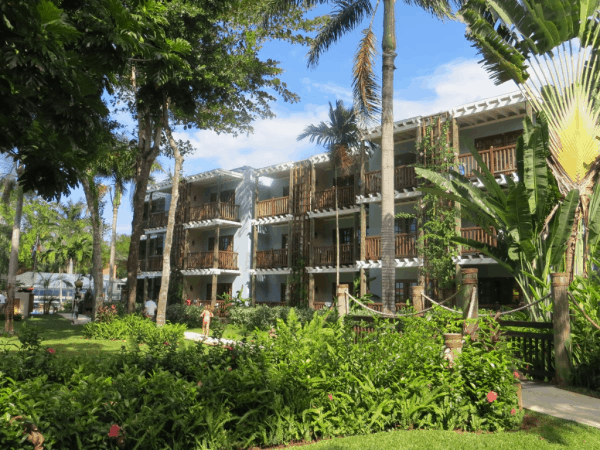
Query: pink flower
point(513, 411)
point(114, 431)
point(199, 383)
point(516, 374)
point(51, 351)
point(330, 397)
point(491, 396)
point(166, 343)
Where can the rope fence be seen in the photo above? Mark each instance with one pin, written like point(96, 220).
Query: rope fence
point(402, 315)
point(498, 314)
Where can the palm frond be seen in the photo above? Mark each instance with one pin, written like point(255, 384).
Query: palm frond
point(365, 83)
point(346, 16)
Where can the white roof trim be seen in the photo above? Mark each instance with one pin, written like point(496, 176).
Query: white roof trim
point(211, 223)
point(399, 126)
point(156, 230)
point(376, 198)
point(331, 211)
point(475, 258)
point(400, 263)
point(276, 168)
point(332, 269)
point(320, 158)
point(199, 176)
point(272, 220)
point(191, 272)
point(487, 104)
point(277, 271)
point(149, 275)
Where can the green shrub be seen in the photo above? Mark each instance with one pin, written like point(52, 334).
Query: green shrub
point(16, 317)
point(264, 317)
point(140, 329)
point(191, 315)
point(309, 382)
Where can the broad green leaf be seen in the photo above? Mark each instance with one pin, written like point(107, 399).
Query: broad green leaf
point(561, 227)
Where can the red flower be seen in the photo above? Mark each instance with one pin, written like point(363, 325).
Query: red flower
point(51, 351)
point(330, 397)
point(229, 369)
point(516, 374)
point(513, 411)
point(228, 347)
point(188, 302)
point(166, 343)
point(114, 431)
point(199, 383)
point(491, 396)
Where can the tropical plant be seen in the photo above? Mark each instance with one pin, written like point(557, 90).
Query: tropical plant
point(341, 137)
point(549, 49)
point(346, 16)
point(531, 242)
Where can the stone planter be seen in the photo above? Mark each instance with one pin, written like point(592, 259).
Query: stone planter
point(453, 341)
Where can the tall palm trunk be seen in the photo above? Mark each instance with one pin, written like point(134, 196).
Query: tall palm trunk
point(337, 232)
point(166, 269)
point(388, 270)
point(113, 241)
point(91, 195)
point(13, 263)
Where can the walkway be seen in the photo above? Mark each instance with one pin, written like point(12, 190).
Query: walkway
point(547, 399)
point(191, 336)
point(81, 320)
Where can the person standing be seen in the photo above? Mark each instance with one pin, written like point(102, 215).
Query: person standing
point(206, 315)
point(150, 309)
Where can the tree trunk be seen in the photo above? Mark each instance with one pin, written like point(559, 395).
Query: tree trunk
point(388, 270)
point(13, 263)
point(91, 196)
point(147, 153)
point(113, 241)
point(337, 234)
point(166, 269)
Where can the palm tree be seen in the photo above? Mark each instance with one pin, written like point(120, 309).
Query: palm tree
point(549, 50)
point(346, 16)
point(341, 137)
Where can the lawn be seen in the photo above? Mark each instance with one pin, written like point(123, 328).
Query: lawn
point(539, 432)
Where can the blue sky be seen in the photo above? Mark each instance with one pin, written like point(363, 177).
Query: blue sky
point(436, 68)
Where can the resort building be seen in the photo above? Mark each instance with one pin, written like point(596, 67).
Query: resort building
point(271, 232)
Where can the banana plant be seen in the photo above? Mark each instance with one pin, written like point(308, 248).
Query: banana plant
point(531, 232)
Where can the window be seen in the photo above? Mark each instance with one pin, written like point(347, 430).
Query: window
point(158, 205)
point(403, 290)
point(286, 191)
point(225, 243)
point(403, 225)
point(156, 246)
point(344, 181)
point(222, 288)
point(284, 241)
point(226, 196)
point(404, 159)
point(346, 236)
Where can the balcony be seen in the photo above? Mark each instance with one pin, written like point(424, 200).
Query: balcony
point(326, 256)
point(214, 210)
point(158, 220)
point(479, 235)
point(273, 207)
point(500, 160)
point(205, 260)
point(405, 246)
point(404, 178)
point(272, 259)
point(326, 199)
point(155, 264)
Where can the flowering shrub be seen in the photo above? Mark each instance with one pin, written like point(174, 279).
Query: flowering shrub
point(191, 315)
point(310, 382)
point(264, 317)
point(106, 313)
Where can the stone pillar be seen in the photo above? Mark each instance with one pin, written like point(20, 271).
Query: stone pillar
point(470, 299)
point(416, 297)
point(342, 299)
point(562, 326)
point(311, 290)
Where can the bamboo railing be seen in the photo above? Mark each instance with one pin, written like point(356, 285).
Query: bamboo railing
point(499, 160)
point(271, 259)
point(158, 220)
point(327, 255)
point(205, 260)
point(405, 245)
point(214, 210)
point(272, 207)
point(404, 178)
point(326, 199)
point(477, 234)
point(155, 263)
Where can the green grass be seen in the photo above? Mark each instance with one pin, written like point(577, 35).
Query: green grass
point(539, 432)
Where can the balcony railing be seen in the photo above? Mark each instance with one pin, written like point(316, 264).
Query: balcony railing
point(214, 210)
point(155, 264)
point(272, 207)
point(158, 220)
point(205, 260)
point(405, 246)
point(272, 259)
point(499, 160)
point(327, 255)
point(326, 199)
point(479, 235)
point(404, 178)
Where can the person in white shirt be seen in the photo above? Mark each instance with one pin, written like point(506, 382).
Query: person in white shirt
point(2, 299)
point(150, 308)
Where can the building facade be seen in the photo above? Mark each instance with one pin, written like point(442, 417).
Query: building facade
point(270, 232)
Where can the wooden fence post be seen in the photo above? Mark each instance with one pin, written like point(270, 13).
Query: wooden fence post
point(342, 299)
point(470, 298)
point(562, 326)
point(416, 295)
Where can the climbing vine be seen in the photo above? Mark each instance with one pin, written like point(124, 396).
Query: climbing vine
point(437, 217)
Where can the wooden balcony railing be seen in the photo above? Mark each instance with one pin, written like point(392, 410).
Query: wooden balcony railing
point(158, 220)
point(271, 259)
point(205, 260)
point(479, 235)
point(155, 263)
point(272, 207)
point(326, 199)
point(215, 210)
point(499, 160)
point(405, 246)
point(374, 306)
point(404, 178)
point(327, 255)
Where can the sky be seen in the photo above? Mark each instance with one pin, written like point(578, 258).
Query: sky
point(436, 69)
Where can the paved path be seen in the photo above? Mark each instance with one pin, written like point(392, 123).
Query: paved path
point(80, 320)
point(547, 399)
point(208, 340)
